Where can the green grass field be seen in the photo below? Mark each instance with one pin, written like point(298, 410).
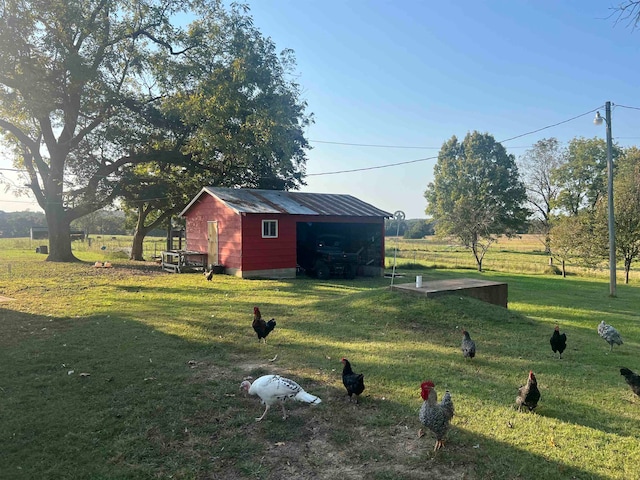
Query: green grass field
point(133, 373)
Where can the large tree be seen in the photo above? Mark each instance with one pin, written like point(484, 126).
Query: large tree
point(87, 89)
point(627, 209)
point(240, 123)
point(583, 176)
point(74, 83)
point(537, 166)
point(477, 194)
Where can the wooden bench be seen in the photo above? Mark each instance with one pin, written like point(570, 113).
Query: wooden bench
point(487, 291)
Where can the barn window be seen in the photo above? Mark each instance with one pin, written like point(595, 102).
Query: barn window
point(269, 229)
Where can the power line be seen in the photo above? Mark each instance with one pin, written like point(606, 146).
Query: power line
point(375, 145)
point(17, 201)
point(419, 147)
point(625, 106)
point(372, 168)
point(432, 158)
point(550, 126)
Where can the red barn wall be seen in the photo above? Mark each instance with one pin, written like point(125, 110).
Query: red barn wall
point(268, 253)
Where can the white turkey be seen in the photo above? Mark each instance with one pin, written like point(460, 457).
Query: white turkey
point(274, 388)
point(610, 334)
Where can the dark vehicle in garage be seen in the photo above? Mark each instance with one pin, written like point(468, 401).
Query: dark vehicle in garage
point(328, 257)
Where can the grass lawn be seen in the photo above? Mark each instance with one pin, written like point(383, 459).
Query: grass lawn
point(165, 354)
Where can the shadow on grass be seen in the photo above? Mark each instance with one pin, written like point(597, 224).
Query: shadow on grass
point(146, 411)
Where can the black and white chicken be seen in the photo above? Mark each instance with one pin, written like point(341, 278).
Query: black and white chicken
point(528, 394)
point(433, 415)
point(353, 382)
point(261, 327)
point(274, 388)
point(610, 334)
point(468, 346)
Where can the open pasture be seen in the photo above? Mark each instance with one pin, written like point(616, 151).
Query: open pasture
point(522, 254)
point(131, 372)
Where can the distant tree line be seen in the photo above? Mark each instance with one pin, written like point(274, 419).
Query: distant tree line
point(411, 228)
point(107, 222)
point(18, 224)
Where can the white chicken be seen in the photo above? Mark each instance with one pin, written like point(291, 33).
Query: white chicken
point(273, 388)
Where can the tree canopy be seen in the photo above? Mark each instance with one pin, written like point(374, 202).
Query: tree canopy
point(583, 176)
point(91, 88)
point(477, 193)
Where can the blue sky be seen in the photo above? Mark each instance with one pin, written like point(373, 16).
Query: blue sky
point(414, 73)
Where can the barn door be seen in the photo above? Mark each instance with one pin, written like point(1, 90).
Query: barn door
point(212, 240)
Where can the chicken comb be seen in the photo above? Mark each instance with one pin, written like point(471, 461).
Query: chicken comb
point(425, 389)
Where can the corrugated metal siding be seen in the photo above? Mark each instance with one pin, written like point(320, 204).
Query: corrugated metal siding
point(293, 203)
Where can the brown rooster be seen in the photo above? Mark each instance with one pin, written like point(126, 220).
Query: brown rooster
point(261, 327)
point(433, 415)
point(528, 395)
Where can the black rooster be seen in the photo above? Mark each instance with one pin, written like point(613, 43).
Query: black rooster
point(468, 346)
point(632, 379)
point(353, 382)
point(558, 342)
point(528, 395)
point(261, 327)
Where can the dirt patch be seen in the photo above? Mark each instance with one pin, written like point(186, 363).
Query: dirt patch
point(333, 440)
point(394, 453)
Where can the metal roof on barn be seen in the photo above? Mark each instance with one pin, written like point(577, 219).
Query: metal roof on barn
point(243, 200)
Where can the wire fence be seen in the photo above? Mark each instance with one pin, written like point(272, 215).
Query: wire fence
point(512, 261)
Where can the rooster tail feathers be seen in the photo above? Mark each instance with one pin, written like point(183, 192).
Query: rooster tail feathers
point(625, 371)
point(303, 396)
point(271, 324)
point(447, 405)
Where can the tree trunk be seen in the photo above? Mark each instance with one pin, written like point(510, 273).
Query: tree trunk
point(59, 235)
point(627, 267)
point(142, 230)
point(137, 245)
point(564, 272)
point(474, 248)
point(547, 244)
point(138, 236)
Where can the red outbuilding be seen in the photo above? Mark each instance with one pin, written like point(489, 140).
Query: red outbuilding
point(278, 234)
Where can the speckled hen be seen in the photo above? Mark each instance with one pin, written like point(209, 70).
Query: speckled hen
point(433, 415)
